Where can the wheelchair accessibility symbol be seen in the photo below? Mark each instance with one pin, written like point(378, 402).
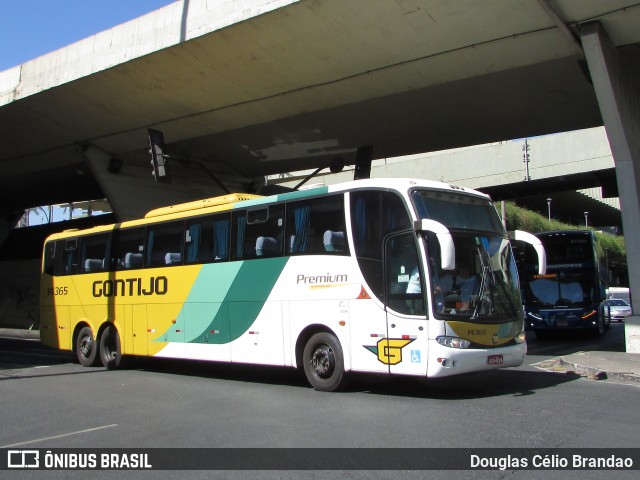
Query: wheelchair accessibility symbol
point(415, 356)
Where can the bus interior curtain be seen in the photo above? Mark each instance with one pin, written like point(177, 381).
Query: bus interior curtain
point(391, 218)
point(221, 239)
point(361, 221)
point(150, 246)
point(83, 254)
point(194, 244)
point(302, 222)
point(69, 261)
point(242, 222)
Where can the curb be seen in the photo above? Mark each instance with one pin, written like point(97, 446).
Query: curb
point(598, 374)
point(592, 373)
point(18, 333)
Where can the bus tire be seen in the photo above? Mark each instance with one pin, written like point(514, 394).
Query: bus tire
point(323, 362)
point(110, 350)
point(87, 348)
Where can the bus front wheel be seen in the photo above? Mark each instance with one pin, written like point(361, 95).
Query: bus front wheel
point(87, 348)
point(110, 351)
point(324, 362)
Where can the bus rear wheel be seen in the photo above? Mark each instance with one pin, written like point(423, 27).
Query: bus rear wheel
point(323, 362)
point(87, 348)
point(110, 350)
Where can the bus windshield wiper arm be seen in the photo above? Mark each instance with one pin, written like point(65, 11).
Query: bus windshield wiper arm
point(487, 275)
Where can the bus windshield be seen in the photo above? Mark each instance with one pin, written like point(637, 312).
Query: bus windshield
point(561, 289)
point(572, 278)
point(458, 211)
point(484, 284)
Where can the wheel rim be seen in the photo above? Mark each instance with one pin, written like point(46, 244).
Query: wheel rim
point(110, 346)
point(86, 346)
point(323, 361)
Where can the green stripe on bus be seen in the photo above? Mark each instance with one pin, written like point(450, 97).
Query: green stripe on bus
point(250, 291)
point(283, 197)
point(226, 300)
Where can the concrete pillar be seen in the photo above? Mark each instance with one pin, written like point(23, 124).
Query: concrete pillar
point(132, 191)
point(615, 76)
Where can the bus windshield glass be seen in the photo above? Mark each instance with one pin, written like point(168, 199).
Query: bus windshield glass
point(458, 210)
point(561, 289)
point(484, 284)
point(571, 280)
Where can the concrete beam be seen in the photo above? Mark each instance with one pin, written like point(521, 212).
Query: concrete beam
point(132, 192)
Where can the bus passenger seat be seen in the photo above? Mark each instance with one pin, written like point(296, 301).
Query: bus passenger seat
point(172, 258)
point(333, 241)
point(93, 265)
point(267, 246)
point(133, 260)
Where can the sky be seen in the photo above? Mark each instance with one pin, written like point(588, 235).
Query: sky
point(31, 28)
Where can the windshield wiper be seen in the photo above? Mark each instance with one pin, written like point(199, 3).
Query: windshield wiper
point(487, 276)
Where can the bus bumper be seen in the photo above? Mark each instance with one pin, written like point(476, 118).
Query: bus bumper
point(445, 361)
point(561, 320)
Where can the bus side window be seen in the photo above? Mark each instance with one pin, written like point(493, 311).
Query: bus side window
point(316, 226)
point(207, 239)
point(93, 252)
point(127, 249)
point(404, 283)
point(70, 258)
point(258, 233)
point(164, 244)
point(374, 215)
point(53, 262)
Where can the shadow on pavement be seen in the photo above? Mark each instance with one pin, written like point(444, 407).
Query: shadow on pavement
point(567, 342)
point(475, 385)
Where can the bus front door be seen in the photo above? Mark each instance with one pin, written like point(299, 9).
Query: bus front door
point(405, 348)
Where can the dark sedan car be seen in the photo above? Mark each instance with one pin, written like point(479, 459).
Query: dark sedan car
point(619, 309)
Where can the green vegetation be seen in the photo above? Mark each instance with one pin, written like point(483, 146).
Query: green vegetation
point(520, 219)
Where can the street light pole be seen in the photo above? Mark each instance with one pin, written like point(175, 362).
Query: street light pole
point(549, 207)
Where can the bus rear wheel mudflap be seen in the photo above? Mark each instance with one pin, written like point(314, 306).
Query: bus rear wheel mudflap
point(323, 362)
point(110, 348)
point(87, 348)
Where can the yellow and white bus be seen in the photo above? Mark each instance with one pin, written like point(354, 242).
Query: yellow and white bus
point(388, 276)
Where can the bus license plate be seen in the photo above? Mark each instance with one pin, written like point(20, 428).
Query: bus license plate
point(495, 360)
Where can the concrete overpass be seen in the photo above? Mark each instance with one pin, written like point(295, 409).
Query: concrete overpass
point(255, 87)
point(557, 166)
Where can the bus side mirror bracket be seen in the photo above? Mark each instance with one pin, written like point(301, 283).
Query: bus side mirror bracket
point(447, 248)
point(522, 236)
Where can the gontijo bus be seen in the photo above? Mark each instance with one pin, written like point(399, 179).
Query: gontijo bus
point(392, 276)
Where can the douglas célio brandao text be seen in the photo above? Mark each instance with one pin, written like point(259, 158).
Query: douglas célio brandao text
point(550, 461)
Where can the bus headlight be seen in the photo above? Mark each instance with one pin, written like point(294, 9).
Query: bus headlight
point(520, 338)
point(453, 342)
